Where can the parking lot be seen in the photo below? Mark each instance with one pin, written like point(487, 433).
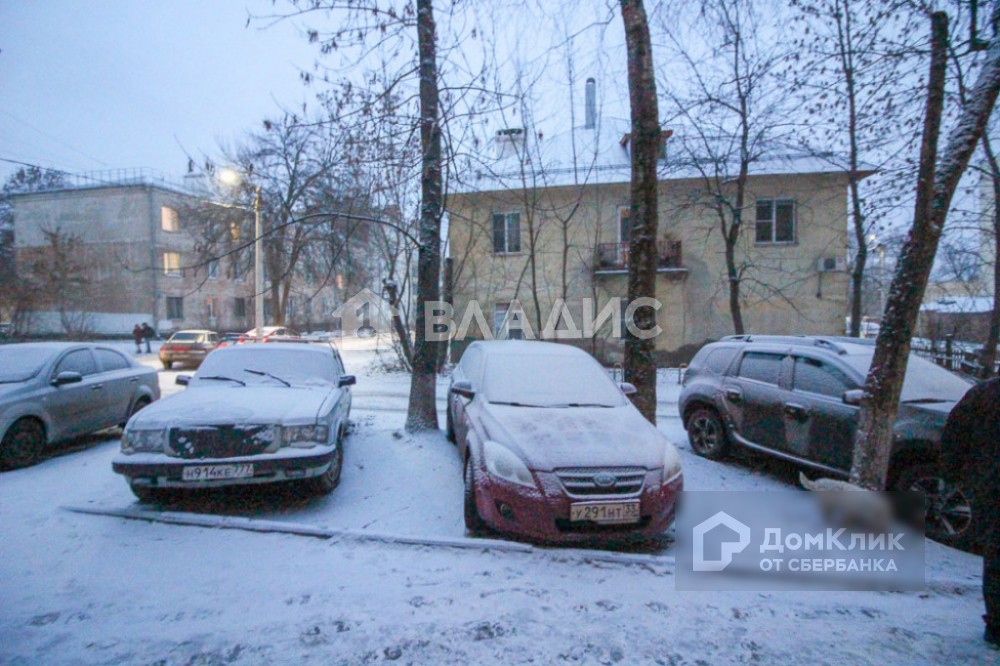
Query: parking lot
point(98, 589)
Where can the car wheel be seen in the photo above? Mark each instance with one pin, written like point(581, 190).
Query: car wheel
point(139, 404)
point(330, 479)
point(473, 523)
point(948, 511)
point(707, 434)
point(23, 444)
point(167, 365)
point(450, 426)
point(148, 495)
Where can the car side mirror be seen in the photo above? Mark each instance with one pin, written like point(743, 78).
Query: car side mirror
point(67, 377)
point(628, 388)
point(183, 380)
point(853, 397)
point(347, 380)
point(464, 389)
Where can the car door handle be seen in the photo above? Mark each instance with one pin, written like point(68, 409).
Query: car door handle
point(134, 379)
point(797, 412)
point(97, 387)
point(735, 395)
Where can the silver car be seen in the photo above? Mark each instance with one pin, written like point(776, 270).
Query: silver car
point(56, 390)
point(252, 414)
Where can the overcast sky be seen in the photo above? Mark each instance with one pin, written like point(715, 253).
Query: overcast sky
point(107, 84)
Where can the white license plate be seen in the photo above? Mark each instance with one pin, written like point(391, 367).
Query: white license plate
point(605, 513)
point(216, 472)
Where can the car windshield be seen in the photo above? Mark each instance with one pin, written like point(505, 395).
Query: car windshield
point(19, 363)
point(253, 365)
point(185, 337)
point(924, 381)
point(537, 380)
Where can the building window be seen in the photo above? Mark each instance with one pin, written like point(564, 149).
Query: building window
point(240, 308)
point(171, 263)
point(169, 220)
point(212, 305)
point(213, 269)
point(175, 307)
point(506, 233)
point(775, 221)
point(235, 232)
point(624, 224)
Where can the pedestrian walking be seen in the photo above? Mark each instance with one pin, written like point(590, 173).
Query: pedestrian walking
point(147, 335)
point(137, 337)
point(970, 446)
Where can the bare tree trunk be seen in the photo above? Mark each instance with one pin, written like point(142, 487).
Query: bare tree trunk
point(421, 413)
point(640, 365)
point(989, 357)
point(392, 292)
point(935, 188)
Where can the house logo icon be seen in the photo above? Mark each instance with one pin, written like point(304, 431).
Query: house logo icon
point(363, 311)
point(729, 548)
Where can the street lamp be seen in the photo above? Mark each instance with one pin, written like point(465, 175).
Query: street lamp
point(233, 177)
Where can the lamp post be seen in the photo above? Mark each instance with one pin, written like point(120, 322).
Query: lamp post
point(258, 266)
point(234, 177)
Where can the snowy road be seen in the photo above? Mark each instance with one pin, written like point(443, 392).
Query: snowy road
point(93, 589)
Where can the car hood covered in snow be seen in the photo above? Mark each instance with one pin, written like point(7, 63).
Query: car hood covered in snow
point(237, 405)
point(549, 438)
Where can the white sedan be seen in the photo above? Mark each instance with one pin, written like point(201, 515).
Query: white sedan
point(251, 414)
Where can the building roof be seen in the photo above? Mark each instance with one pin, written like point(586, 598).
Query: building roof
point(113, 178)
point(517, 159)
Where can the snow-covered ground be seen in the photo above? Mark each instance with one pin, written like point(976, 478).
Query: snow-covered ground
point(79, 588)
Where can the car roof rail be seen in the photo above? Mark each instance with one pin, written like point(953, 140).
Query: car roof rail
point(830, 343)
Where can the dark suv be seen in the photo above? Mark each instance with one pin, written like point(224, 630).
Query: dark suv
point(797, 398)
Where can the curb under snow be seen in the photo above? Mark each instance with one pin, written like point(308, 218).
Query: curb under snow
point(665, 562)
point(298, 529)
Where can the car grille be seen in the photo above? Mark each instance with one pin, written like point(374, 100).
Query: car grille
point(589, 481)
point(225, 441)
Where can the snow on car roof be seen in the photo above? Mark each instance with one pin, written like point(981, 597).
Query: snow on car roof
point(527, 347)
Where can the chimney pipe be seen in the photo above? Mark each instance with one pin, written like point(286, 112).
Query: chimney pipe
point(590, 110)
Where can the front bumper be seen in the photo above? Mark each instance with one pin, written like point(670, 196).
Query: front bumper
point(543, 513)
point(158, 470)
point(194, 356)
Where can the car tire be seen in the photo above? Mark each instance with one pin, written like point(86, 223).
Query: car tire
point(147, 495)
point(22, 444)
point(449, 431)
point(167, 365)
point(949, 512)
point(139, 404)
point(707, 434)
point(330, 479)
point(474, 524)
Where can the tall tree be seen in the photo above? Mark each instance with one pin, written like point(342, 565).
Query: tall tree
point(937, 181)
point(848, 69)
point(640, 365)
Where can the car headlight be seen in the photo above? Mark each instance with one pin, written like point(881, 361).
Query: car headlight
point(304, 436)
point(503, 464)
point(671, 462)
point(144, 441)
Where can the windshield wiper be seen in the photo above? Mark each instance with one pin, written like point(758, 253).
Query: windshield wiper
point(266, 374)
point(513, 404)
point(924, 400)
point(227, 379)
point(585, 404)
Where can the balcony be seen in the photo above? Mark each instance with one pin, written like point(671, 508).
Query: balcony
point(613, 257)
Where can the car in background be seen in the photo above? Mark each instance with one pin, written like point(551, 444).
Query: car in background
point(188, 347)
point(270, 334)
point(318, 336)
point(252, 414)
point(228, 338)
point(51, 391)
point(797, 398)
point(553, 450)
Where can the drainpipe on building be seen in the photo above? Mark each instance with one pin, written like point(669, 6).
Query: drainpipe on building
point(152, 259)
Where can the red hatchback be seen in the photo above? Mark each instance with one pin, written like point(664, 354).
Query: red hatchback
point(553, 450)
